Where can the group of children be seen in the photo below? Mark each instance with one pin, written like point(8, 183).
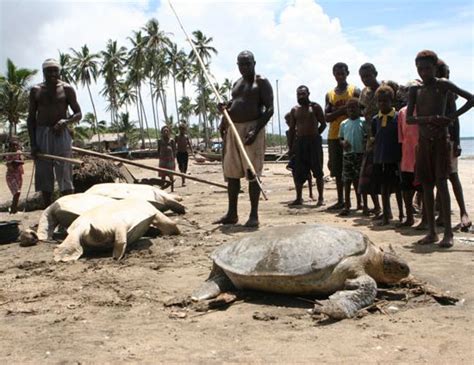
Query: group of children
point(390, 139)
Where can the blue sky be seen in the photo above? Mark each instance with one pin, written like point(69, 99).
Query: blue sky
point(294, 41)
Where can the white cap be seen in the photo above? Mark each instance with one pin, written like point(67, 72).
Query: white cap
point(51, 62)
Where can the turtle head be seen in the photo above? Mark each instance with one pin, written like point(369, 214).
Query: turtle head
point(394, 268)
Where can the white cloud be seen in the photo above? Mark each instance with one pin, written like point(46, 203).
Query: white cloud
point(295, 42)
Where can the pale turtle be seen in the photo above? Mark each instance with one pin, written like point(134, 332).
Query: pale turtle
point(65, 210)
point(312, 260)
point(115, 224)
point(159, 198)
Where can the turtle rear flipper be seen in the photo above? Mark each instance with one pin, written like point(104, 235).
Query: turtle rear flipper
point(217, 283)
point(358, 293)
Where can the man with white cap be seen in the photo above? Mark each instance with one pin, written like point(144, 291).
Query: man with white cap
point(48, 121)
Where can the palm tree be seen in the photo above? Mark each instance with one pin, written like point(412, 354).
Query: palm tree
point(135, 62)
point(14, 95)
point(226, 89)
point(156, 42)
point(85, 69)
point(204, 50)
point(173, 62)
point(113, 60)
point(185, 108)
point(185, 71)
point(65, 72)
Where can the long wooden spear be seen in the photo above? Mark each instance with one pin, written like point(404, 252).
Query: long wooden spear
point(240, 145)
point(143, 166)
point(47, 157)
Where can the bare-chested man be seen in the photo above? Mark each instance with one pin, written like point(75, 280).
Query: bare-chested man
point(304, 137)
point(250, 109)
point(48, 123)
point(434, 146)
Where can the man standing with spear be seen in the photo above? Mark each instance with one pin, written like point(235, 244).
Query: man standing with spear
point(251, 108)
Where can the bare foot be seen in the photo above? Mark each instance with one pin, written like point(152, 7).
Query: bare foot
point(385, 222)
point(296, 203)
point(446, 242)
point(377, 217)
point(320, 203)
point(422, 226)
point(465, 223)
point(407, 223)
point(344, 213)
point(227, 220)
point(252, 222)
point(428, 239)
point(337, 206)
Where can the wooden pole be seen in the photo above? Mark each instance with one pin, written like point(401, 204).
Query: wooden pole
point(47, 157)
point(143, 166)
point(240, 145)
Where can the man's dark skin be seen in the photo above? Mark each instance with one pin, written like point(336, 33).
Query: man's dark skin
point(430, 101)
point(302, 124)
point(443, 72)
point(333, 112)
point(252, 99)
point(48, 106)
point(369, 79)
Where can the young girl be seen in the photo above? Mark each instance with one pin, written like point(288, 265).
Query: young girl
point(14, 175)
point(167, 154)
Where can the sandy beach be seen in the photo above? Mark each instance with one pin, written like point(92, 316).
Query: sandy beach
point(98, 310)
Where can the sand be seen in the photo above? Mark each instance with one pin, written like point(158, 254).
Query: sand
point(97, 310)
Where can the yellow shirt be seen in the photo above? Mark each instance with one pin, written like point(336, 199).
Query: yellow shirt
point(337, 100)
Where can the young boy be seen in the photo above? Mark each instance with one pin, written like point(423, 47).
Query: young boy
point(335, 114)
point(166, 154)
point(408, 137)
point(433, 161)
point(387, 151)
point(367, 101)
point(443, 72)
point(306, 125)
point(14, 174)
point(182, 156)
point(352, 135)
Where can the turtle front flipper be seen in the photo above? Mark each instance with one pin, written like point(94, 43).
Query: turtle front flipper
point(70, 249)
point(217, 283)
point(357, 294)
point(120, 242)
point(166, 225)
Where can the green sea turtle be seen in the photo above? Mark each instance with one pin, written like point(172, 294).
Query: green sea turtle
point(312, 260)
point(159, 198)
point(115, 224)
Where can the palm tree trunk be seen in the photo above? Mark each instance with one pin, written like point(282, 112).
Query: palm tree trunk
point(176, 100)
point(155, 114)
point(140, 122)
point(95, 117)
point(144, 114)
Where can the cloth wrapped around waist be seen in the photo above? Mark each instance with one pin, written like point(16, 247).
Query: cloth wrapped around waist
point(233, 163)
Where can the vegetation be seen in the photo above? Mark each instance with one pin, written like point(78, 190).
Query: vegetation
point(150, 64)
